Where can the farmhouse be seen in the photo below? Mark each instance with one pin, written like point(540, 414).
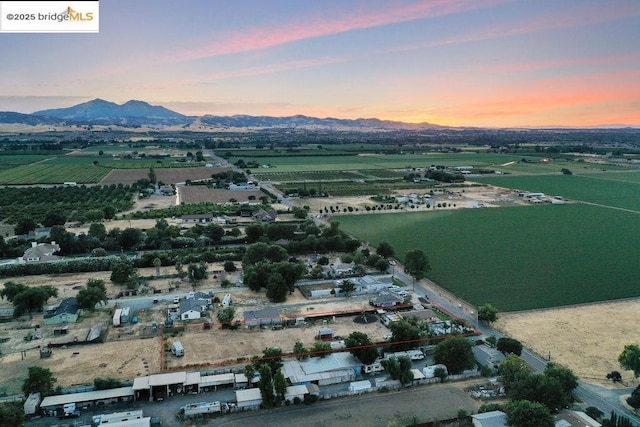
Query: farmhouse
point(66, 312)
point(265, 317)
point(191, 308)
point(386, 299)
point(39, 252)
point(265, 216)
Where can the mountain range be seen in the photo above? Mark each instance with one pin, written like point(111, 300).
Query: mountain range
point(139, 114)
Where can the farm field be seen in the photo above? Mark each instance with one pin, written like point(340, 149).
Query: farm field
point(49, 172)
point(8, 161)
point(165, 175)
point(192, 194)
point(610, 189)
point(517, 258)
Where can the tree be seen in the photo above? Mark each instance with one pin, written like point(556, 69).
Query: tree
point(11, 415)
point(108, 212)
point(94, 293)
point(157, 263)
point(630, 359)
point(249, 372)
point(566, 171)
point(97, 231)
point(54, 218)
point(229, 267)
point(509, 345)
point(539, 388)
point(25, 225)
point(197, 272)
point(321, 349)
point(360, 345)
point(152, 176)
point(106, 383)
point(385, 249)
point(523, 413)
point(280, 385)
point(276, 288)
point(130, 238)
point(300, 351)
point(399, 368)
point(266, 386)
point(225, 316)
point(271, 356)
point(487, 313)
point(614, 376)
point(456, 354)
point(11, 289)
point(404, 335)
point(122, 272)
point(510, 368)
point(594, 412)
point(253, 232)
point(565, 376)
point(33, 299)
point(39, 380)
point(634, 399)
point(416, 264)
point(347, 287)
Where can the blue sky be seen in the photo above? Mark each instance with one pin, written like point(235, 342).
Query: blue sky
point(463, 63)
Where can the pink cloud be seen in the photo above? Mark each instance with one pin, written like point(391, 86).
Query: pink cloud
point(318, 26)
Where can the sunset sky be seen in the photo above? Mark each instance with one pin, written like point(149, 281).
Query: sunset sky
point(496, 63)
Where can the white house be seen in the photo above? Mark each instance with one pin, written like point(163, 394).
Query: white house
point(41, 252)
point(190, 309)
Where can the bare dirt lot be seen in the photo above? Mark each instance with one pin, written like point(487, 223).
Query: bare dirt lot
point(587, 339)
point(201, 194)
point(165, 175)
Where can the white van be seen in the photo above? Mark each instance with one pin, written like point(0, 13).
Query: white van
point(177, 349)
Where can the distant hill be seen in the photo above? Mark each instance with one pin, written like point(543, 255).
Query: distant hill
point(140, 113)
point(131, 113)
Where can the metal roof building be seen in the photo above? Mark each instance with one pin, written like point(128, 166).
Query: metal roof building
point(112, 395)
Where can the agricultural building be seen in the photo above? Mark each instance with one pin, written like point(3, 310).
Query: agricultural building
point(489, 419)
point(265, 317)
point(359, 386)
point(66, 312)
point(41, 252)
point(332, 369)
point(51, 404)
point(568, 418)
point(212, 382)
point(294, 391)
point(250, 398)
point(197, 219)
point(159, 386)
point(325, 334)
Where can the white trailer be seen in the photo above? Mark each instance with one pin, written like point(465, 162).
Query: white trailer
point(124, 315)
point(200, 408)
point(177, 349)
point(116, 317)
point(116, 417)
point(430, 371)
point(411, 354)
point(374, 367)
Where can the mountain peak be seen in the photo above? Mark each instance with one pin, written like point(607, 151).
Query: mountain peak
point(100, 110)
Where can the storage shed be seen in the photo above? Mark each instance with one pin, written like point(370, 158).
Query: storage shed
point(31, 404)
point(250, 398)
point(359, 386)
point(325, 334)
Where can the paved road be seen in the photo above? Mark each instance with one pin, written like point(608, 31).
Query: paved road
point(604, 399)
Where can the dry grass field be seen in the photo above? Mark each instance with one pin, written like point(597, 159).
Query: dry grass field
point(587, 339)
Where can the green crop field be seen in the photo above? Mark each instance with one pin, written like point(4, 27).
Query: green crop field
point(8, 161)
point(620, 190)
point(518, 258)
point(53, 173)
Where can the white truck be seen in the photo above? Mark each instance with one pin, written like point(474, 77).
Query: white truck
point(201, 408)
point(69, 411)
point(114, 417)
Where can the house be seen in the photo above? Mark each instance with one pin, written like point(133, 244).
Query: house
point(386, 299)
point(191, 308)
point(265, 317)
point(265, 216)
point(166, 190)
point(342, 269)
point(66, 312)
point(41, 252)
point(202, 297)
point(489, 419)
